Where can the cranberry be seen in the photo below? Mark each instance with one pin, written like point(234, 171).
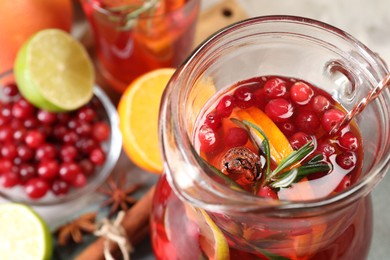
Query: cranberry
point(8, 151)
point(6, 133)
point(27, 172)
point(48, 169)
point(348, 141)
point(36, 188)
point(86, 145)
point(301, 93)
point(86, 114)
point(70, 137)
point(101, 131)
point(330, 118)
point(22, 109)
point(261, 98)
point(34, 138)
point(225, 106)
point(9, 179)
point(287, 128)
point(31, 123)
point(6, 112)
point(72, 123)
point(275, 88)
point(68, 153)
point(80, 180)
point(320, 104)
point(97, 156)
point(59, 131)
point(307, 121)
point(45, 152)
point(209, 140)
point(244, 97)
point(279, 110)
point(87, 167)
point(46, 117)
point(83, 129)
point(346, 160)
point(68, 171)
point(19, 135)
point(63, 118)
point(326, 148)
point(60, 187)
point(5, 165)
point(10, 90)
point(267, 192)
point(299, 139)
point(213, 120)
point(344, 183)
point(236, 136)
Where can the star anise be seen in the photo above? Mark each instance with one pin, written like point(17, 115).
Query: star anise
point(119, 194)
point(74, 230)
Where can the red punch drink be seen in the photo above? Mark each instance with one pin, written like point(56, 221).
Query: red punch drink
point(133, 37)
point(251, 169)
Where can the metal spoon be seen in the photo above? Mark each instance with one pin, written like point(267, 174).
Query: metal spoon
point(374, 93)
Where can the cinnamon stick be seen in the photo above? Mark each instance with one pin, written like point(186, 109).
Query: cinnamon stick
point(135, 223)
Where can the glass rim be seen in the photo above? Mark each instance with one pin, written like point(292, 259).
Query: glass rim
point(253, 203)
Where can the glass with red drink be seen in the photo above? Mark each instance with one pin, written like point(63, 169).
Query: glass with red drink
point(251, 171)
point(133, 37)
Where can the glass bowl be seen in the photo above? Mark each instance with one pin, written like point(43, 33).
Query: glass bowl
point(112, 147)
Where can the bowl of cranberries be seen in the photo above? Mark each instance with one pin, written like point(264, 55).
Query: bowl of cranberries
point(49, 158)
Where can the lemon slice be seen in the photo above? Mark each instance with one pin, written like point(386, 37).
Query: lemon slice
point(54, 72)
point(24, 235)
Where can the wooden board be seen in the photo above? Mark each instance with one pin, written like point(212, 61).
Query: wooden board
point(218, 16)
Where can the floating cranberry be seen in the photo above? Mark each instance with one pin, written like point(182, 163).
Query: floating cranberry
point(46, 117)
point(261, 98)
point(348, 141)
point(267, 192)
point(299, 139)
point(344, 184)
point(275, 88)
point(320, 104)
point(279, 110)
point(36, 188)
point(213, 120)
point(244, 97)
point(301, 93)
point(330, 118)
point(60, 187)
point(225, 106)
point(209, 140)
point(287, 128)
point(68, 171)
point(9, 179)
point(101, 131)
point(236, 136)
point(48, 169)
point(346, 160)
point(97, 156)
point(307, 121)
point(80, 180)
point(326, 148)
point(34, 138)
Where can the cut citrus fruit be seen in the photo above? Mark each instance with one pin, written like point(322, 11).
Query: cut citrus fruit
point(138, 111)
point(54, 71)
point(24, 235)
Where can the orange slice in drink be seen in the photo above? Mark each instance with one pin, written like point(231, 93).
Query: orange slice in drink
point(138, 111)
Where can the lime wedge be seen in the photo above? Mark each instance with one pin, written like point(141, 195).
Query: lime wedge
point(24, 235)
point(54, 72)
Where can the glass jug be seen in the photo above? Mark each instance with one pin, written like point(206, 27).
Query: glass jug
point(195, 217)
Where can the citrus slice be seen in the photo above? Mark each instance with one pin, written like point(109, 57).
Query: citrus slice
point(54, 72)
point(138, 111)
point(24, 235)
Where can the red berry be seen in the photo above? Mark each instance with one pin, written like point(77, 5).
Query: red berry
point(80, 180)
point(86, 114)
point(100, 131)
point(97, 156)
point(320, 104)
point(68, 153)
point(301, 93)
point(5, 165)
point(63, 117)
point(36, 188)
point(31, 123)
point(48, 169)
point(213, 121)
point(34, 139)
point(46, 117)
point(236, 136)
point(9, 179)
point(307, 121)
point(244, 97)
point(45, 152)
point(68, 171)
point(59, 131)
point(299, 139)
point(86, 145)
point(209, 140)
point(275, 88)
point(261, 98)
point(346, 160)
point(344, 183)
point(8, 151)
point(267, 192)
point(10, 90)
point(348, 141)
point(87, 167)
point(27, 172)
point(70, 137)
point(225, 106)
point(6, 133)
point(326, 148)
point(22, 109)
point(330, 118)
point(59, 187)
point(19, 135)
point(279, 110)
point(287, 128)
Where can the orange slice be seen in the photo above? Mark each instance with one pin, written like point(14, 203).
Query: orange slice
point(138, 111)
